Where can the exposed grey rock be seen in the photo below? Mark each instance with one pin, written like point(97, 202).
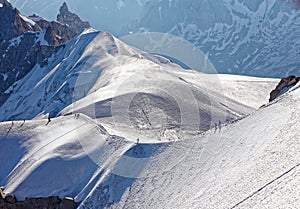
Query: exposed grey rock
point(71, 19)
point(9, 201)
point(284, 85)
point(25, 43)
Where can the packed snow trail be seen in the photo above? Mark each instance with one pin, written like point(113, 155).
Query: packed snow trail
point(267, 185)
point(100, 76)
point(248, 158)
point(250, 154)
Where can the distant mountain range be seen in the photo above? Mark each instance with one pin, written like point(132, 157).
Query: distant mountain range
point(258, 38)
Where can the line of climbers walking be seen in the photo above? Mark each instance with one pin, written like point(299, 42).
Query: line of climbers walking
point(218, 126)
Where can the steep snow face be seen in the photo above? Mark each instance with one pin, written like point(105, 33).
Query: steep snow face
point(257, 38)
point(252, 162)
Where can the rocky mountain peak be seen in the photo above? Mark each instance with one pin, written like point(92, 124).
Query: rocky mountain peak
point(12, 24)
point(27, 41)
point(284, 85)
point(64, 8)
point(71, 19)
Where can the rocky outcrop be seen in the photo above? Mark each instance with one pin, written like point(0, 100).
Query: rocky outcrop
point(71, 19)
point(27, 41)
point(284, 85)
point(12, 24)
point(56, 33)
point(9, 201)
point(18, 56)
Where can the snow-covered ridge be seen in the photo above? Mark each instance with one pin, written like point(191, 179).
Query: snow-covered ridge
point(127, 129)
point(100, 76)
point(25, 42)
point(82, 160)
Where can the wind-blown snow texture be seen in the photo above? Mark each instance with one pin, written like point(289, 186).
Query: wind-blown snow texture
point(95, 72)
point(106, 95)
point(250, 163)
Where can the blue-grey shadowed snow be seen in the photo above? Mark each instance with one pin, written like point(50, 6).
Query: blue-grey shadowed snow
point(10, 155)
point(58, 168)
point(143, 150)
point(127, 169)
point(58, 90)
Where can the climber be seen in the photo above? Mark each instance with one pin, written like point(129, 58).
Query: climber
point(216, 127)
point(220, 125)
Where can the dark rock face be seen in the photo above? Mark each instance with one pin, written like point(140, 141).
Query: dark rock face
point(12, 24)
point(9, 201)
point(56, 33)
point(18, 56)
point(71, 19)
point(284, 85)
point(25, 42)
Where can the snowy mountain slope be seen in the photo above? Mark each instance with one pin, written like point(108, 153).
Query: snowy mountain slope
point(250, 91)
point(100, 76)
point(28, 41)
point(58, 150)
point(154, 116)
point(250, 163)
point(258, 38)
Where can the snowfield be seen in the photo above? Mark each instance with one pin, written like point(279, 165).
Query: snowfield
point(133, 130)
point(100, 76)
point(251, 163)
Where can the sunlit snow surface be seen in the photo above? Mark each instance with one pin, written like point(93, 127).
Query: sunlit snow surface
point(100, 76)
point(109, 96)
point(249, 163)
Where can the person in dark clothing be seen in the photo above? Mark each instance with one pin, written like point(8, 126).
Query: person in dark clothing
point(216, 127)
point(49, 120)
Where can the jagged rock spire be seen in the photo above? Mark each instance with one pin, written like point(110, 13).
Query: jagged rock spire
point(71, 19)
point(64, 8)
